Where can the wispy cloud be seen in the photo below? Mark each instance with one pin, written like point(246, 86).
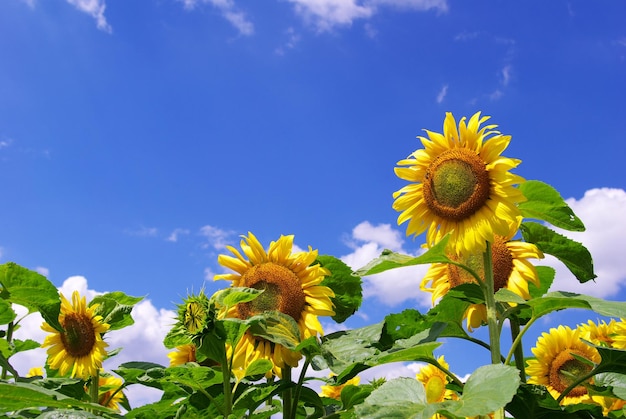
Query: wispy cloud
point(325, 15)
point(217, 238)
point(94, 8)
point(142, 232)
point(229, 11)
point(174, 235)
point(292, 40)
point(442, 93)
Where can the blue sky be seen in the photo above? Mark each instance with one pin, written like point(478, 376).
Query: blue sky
point(137, 139)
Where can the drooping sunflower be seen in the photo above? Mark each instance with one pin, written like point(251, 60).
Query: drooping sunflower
point(435, 382)
point(290, 283)
point(80, 348)
point(182, 355)
point(460, 184)
point(109, 393)
point(334, 391)
point(511, 270)
point(554, 363)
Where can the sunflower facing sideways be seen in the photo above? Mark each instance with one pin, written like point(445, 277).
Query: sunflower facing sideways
point(80, 349)
point(290, 284)
point(511, 270)
point(554, 364)
point(460, 184)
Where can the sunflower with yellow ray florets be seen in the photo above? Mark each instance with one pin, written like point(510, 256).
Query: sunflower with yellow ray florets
point(109, 392)
point(601, 334)
point(555, 365)
point(460, 184)
point(182, 354)
point(435, 382)
point(511, 270)
point(79, 349)
point(290, 284)
point(334, 391)
point(619, 339)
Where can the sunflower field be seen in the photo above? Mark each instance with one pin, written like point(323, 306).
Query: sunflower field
point(249, 350)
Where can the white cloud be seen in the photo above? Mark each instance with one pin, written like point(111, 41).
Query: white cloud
point(602, 212)
point(442, 93)
point(392, 287)
point(43, 271)
point(327, 14)
point(143, 232)
point(229, 11)
point(94, 8)
point(173, 237)
point(217, 238)
point(143, 341)
point(292, 40)
point(505, 74)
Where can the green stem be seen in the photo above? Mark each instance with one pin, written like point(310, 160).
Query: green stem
point(492, 315)
point(296, 394)
point(287, 396)
point(454, 378)
point(93, 387)
point(228, 395)
point(518, 340)
point(576, 383)
point(517, 348)
point(9, 337)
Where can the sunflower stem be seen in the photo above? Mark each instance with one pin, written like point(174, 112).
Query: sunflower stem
point(228, 395)
point(287, 396)
point(296, 395)
point(576, 383)
point(9, 338)
point(492, 315)
point(93, 387)
point(517, 349)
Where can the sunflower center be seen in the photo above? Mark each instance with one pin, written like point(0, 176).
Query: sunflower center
point(281, 287)
point(502, 266)
point(80, 336)
point(195, 315)
point(563, 368)
point(435, 389)
point(456, 185)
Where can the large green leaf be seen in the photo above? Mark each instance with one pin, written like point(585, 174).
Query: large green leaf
point(391, 260)
point(17, 396)
point(228, 297)
point(560, 300)
point(615, 381)
point(534, 401)
point(573, 254)
point(276, 327)
point(545, 203)
point(115, 308)
point(401, 398)
point(31, 290)
point(346, 286)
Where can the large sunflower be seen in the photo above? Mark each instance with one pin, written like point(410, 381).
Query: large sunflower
point(511, 270)
point(460, 185)
point(291, 285)
point(554, 363)
point(80, 348)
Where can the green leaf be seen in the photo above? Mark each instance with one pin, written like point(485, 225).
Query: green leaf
point(545, 203)
point(401, 398)
point(546, 276)
point(17, 396)
point(193, 376)
point(616, 382)
point(68, 414)
point(253, 396)
point(115, 309)
point(24, 345)
point(391, 260)
point(31, 290)
point(573, 254)
point(354, 395)
point(145, 373)
point(7, 315)
point(613, 360)
point(534, 401)
point(346, 286)
point(560, 300)
point(228, 297)
point(276, 327)
point(488, 389)
point(258, 367)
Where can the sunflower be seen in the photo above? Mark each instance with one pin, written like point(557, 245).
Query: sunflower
point(435, 382)
point(80, 348)
point(109, 393)
point(601, 334)
point(555, 364)
point(35, 372)
point(460, 185)
point(182, 355)
point(290, 284)
point(511, 270)
point(334, 391)
point(619, 339)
